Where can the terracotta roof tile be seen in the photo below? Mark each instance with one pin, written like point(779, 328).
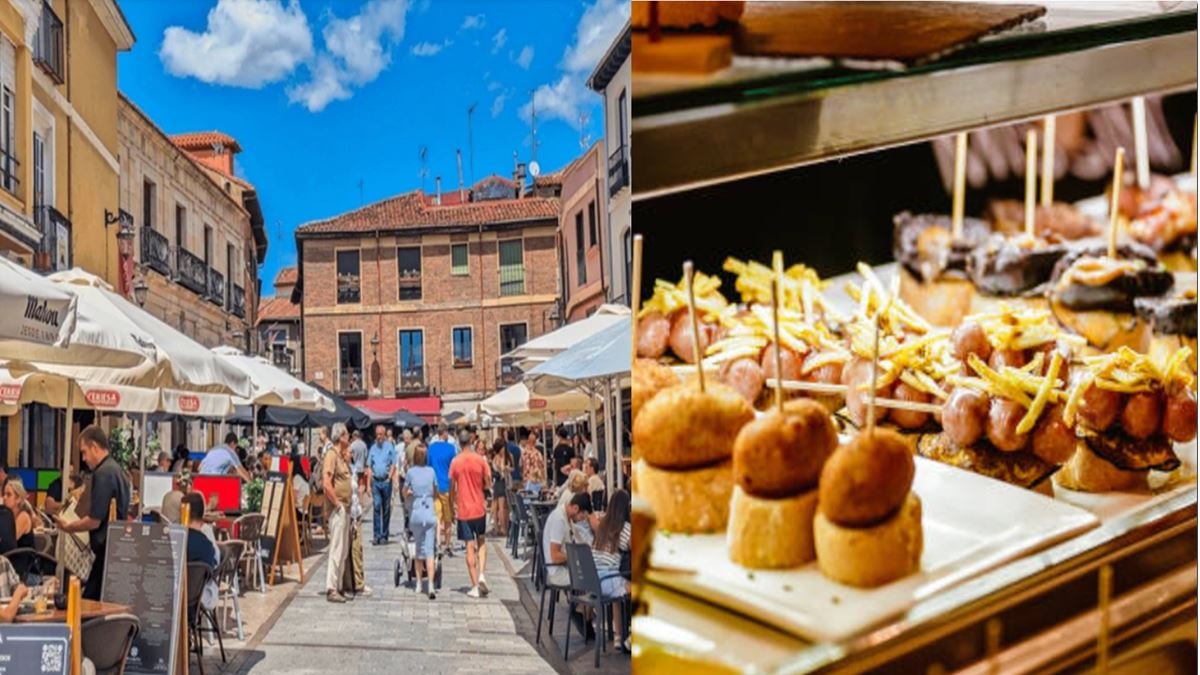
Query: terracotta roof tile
point(287, 276)
point(277, 309)
point(204, 140)
point(410, 210)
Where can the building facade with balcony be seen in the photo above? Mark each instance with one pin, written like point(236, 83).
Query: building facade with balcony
point(612, 79)
point(413, 297)
point(194, 247)
point(278, 324)
point(583, 235)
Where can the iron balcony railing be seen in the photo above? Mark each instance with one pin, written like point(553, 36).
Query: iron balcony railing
point(238, 301)
point(156, 251)
point(618, 169)
point(216, 287)
point(410, 380)
point(54, 253)
point(509, 374)
point(192, 272)
point(48, 45)
point(348, 288)
point(350, 381)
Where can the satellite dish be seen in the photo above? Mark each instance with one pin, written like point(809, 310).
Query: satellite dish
point(534, 169)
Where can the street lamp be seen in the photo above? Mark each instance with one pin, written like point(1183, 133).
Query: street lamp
point(139, 291)
point(125, 238)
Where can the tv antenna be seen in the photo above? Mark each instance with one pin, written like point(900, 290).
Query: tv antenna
point(533, 121)
point(470, 143)
point(423, 155)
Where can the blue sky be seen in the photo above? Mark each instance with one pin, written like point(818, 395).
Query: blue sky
point(323, 94)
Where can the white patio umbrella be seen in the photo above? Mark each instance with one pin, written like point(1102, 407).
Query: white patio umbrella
point(272, 386)
point(517, 400)
point(546, 346)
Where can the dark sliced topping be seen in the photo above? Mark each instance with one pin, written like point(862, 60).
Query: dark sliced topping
point(1057, 222)
point(1005, 267)
point(1169, 316)
point(1023, 468)
point(922, 244)
point(1133, 454)
point(1150, 279)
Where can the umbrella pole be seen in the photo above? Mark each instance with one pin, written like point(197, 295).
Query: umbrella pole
point(592, 419)
point(608, 438)
point(619, 440)
point(254, 426)
point(66, 466)
point(142, 459)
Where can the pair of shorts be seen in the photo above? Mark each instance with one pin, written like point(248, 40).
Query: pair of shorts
point(612, 584)
point(471, 530)
point(444, 507)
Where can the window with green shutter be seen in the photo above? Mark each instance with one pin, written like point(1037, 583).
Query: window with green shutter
point(459, 265)
point(512, 267)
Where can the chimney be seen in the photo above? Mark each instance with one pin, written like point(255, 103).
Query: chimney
point(519, 178)
point(438, 199)
point(458, 156)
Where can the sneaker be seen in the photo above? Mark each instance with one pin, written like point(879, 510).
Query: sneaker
point(365, 591)
point(474, 592)
point(483, 586)
point(334, 596)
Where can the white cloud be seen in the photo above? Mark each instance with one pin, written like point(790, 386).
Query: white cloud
point(498, 105)
point(563, 100)
point(597, 27)
point(472, 21)
point(499, 39)
point(525, 57)
point(245, 43)
point(358, 49)
point(426, 49)
point(494, 86)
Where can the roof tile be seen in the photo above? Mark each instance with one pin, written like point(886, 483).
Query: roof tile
point(411, 210)
point(205, 139)
point(277, 309)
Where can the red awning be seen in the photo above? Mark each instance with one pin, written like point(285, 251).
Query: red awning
point(427, 407)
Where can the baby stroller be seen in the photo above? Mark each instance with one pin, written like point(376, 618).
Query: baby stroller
point(405, 567)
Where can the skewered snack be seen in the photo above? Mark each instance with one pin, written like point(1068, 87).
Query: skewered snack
point(777, 461)
point(1093, 294)
point(934, 279)
point(1126, 410)
point(688, 14)
point(1168, 225)
point(648, 378)
point(867, 530)
point(685, 438)
point(1012, 269)
point(1055, 223)
point(1172, 323)
point(663, 323)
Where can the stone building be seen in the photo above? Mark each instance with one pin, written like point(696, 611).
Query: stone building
point(414, 298)
point(278, 324)
point(613, 78)
point(583, 235)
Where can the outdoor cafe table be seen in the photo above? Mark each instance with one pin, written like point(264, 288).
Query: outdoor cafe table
point(88, 609)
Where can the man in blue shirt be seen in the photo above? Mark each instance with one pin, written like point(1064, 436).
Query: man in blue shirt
point(441, 453)
point(381, 471)
point(514, 450)
point(223, 459)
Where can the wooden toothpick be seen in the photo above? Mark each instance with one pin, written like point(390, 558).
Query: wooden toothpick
point(635, 294)
point(1141, 148)
point(960, 184)
point(1048, 160)
point(776, 286)
point(697, 353)
point(874, 378)
point(1030, 180)
point(1118, 169)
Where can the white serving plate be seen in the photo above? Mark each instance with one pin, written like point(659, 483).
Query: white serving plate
point(971, 524)
point(1163, 486)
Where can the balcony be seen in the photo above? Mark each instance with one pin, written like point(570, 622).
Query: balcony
point(350, 382)
point(48, 45)
point(512, 280)
point(411, 381)
point(54, 254)
point(618, 170)
point(216, 288)
point(193, 273)
point(156, 251)
point(238, 301)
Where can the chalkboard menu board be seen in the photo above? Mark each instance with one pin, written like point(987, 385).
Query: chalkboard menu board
point(274, 499)
point(35, 649)
point(144, 569)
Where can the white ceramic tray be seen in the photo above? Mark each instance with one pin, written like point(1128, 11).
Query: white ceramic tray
point(971, 524)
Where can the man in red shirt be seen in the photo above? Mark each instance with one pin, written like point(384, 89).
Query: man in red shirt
point(470, 475)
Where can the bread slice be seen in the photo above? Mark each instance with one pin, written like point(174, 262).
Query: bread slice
point(694, 13)
point(1088, 472)
point(943, 302)
point(769, 533)
point(866, 557)
point(687, 500)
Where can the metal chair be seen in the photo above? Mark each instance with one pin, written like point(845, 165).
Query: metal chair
point(43, 543)
point(106, 641)
point(545, 586)
point(519, 520)
point(198, 576)
point(306, 523)
point(249, 529)
point(30, 561)
point(227, 581)
point(586, 590)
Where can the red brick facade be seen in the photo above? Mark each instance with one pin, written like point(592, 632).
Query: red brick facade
point(583, 213)
point(447, 300)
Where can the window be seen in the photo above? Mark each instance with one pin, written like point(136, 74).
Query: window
point(463, 349)
point(621, 115)
point(347, 277)
point(459, 261)
point(411, 368)
point(512, 335)
point(8, 116)
point(350, 371)
point(180, 226)
point(408, 258)
point(148, 202)
point(39, 176)
point(512, 267)
point(592, 234)
point(580, 251)
point(628, 266)
point(230, 259)
point(208, 245)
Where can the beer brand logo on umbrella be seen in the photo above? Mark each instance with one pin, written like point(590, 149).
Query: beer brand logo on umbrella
point(10, 392)
point(103, 398)
point(536, 403)
point(41, 312)
point(189, 403)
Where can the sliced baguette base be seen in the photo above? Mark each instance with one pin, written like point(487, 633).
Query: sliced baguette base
point(769, 533)
point(943, 302)
point(866, 557)
point(688, 501)
point(1088, 472)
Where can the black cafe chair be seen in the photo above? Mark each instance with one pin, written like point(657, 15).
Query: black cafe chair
point(106, 641)
point(545, 586)
point(29, 562)
point(198, 576)
point(586, 590)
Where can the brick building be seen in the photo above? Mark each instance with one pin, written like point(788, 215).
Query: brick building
point(278, 324)
point(583, 235)
point(416, 297)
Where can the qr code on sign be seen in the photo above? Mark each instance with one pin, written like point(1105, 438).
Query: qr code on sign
point(52, 658)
